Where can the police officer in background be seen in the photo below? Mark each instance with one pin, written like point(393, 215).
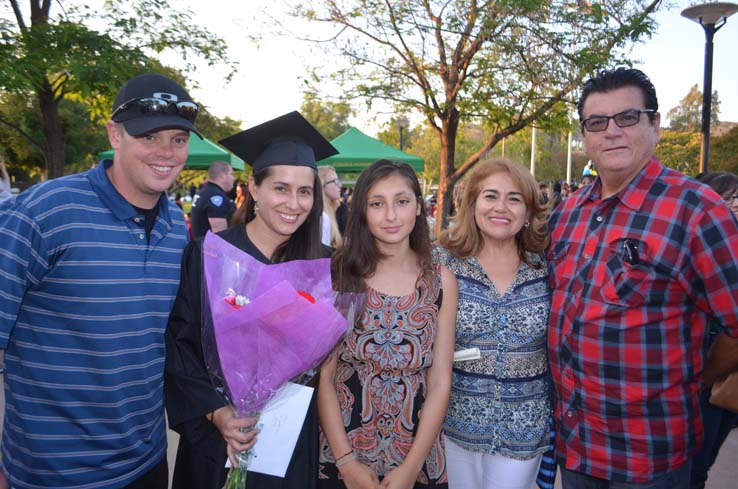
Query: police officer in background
point(212, 207)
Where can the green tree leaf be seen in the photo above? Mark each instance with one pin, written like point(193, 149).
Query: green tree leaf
point(501, 65)
point(58, 56)
point(687, 116)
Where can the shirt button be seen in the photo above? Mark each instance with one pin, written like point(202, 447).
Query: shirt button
point(569, 414)
point(599, 218)
point(136, 219)
point(141, 236)
point(587, 256)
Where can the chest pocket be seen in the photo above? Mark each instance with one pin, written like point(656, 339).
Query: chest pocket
point(634, 277)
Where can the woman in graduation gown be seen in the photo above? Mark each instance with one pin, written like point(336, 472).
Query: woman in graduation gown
point(279, 222)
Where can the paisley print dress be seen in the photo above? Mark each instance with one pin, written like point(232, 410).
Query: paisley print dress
point(381, 384)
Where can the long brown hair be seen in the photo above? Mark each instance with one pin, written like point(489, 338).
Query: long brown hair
point(305, 243)
point(465, 239)
point(357, 259)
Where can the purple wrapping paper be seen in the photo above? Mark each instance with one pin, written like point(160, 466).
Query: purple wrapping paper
point(276, 336)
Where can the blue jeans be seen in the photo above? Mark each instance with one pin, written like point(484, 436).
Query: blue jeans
point(717, 422)
point(678, 479)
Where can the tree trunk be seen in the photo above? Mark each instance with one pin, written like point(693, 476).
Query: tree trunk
point(446, 182)
point(54, 154)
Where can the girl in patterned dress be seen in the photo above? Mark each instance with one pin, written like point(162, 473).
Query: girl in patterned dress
point(383, 395)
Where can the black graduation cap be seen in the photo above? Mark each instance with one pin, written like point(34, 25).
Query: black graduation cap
point(286, 140)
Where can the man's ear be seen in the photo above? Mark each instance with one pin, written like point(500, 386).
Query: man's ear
point(114, 134)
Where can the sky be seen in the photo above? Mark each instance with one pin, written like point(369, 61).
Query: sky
point(270, 78)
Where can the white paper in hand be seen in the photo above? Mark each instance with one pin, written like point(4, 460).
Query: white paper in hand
point(280, 424)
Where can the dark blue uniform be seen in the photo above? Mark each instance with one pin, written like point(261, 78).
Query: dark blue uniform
point(210, 202)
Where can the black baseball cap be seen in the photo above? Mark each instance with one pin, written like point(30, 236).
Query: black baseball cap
point(287, 140)
point(176, 111)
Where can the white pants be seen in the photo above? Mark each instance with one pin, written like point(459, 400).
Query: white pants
point(477, 470)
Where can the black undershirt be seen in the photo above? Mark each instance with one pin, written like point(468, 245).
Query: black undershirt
point(149, 219)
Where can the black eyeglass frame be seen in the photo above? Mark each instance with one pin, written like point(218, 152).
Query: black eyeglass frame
point(185, 109)
point(615, 118)
point(336, 180)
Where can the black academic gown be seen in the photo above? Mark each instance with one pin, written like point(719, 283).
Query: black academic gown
point(190, 395)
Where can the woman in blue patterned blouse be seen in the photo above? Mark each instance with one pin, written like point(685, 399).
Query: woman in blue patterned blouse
point(497, 422)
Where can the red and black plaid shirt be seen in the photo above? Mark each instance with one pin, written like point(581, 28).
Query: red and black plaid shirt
point(636, 277)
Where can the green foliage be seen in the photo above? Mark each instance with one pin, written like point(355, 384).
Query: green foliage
point(62, 56)
point(551, 146)
point(724, 152)
point(502, 65)
point(84, 130)
point(687, 116)
point(215, 128)
point(329, 118)
point(84, 137)
point(680, 150)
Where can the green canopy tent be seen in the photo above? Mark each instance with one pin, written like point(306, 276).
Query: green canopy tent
point(356, 151)
point(202, 153)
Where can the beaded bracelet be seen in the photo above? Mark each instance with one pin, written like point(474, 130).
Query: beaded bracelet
point(349, 457)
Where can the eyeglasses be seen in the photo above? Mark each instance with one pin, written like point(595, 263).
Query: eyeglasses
point(337, 181)
point(151, 106)
point(729, 199)
point(627, 118)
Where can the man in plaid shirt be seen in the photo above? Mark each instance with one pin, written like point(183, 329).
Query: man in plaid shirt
point(640, 260)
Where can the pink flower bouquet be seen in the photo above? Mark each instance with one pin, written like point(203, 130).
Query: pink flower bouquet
point(266, 324)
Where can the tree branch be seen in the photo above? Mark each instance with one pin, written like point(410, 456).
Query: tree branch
point(23, 133)
point(509, 130)
point(18, 15)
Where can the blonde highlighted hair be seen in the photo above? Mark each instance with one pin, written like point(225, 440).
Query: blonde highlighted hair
point(330, 206)
point(464, 239)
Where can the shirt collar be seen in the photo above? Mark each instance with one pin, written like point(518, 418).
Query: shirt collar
point(113, 200)
point(633, 194)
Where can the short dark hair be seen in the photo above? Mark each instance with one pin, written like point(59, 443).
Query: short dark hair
point(608, 80)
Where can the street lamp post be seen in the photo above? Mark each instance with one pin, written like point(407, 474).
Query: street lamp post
point(402, 123)
point(711, 16)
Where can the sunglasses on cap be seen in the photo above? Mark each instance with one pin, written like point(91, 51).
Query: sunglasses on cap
point(151, 106)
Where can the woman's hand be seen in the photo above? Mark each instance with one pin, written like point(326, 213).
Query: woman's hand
point(401, 477)
point(358, 476)
point(230, 429)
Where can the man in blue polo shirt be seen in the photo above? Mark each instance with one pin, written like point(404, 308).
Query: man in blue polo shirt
point(89, 268)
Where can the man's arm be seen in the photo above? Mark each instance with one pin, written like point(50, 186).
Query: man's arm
point(722, 359)
point(217, 224)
